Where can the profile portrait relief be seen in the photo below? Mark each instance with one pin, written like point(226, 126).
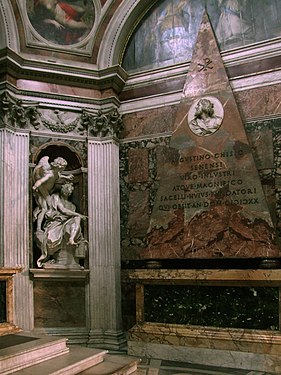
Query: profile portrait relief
point(61, 22)
point(205, 116)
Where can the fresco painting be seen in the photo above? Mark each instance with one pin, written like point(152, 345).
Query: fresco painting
point(167, 35)
point(61, 22)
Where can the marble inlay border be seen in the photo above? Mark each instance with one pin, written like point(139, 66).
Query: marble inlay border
point(255, 341)
point(237, 277)
point(227, 360)
point(6, 274)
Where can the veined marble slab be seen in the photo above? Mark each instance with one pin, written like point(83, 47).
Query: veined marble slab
point(237, 348)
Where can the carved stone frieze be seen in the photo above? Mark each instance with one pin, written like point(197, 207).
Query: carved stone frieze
point(14, 112)
point(59, 121)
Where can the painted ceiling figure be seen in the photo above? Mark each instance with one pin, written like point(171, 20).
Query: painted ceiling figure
point(167, 34)
point(232, 26)
point(60, 21)
point(173, 25)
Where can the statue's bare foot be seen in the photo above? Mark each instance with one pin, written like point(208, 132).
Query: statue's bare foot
point(71, 242)
point(51, 261)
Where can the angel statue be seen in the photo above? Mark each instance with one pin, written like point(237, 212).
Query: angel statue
point(58, 233)
point(45, 176)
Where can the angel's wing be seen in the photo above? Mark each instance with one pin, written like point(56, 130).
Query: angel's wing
point(41, 168)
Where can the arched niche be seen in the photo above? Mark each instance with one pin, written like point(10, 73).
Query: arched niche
point(55, 149)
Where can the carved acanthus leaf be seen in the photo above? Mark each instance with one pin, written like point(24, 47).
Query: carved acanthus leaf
point(103, 124)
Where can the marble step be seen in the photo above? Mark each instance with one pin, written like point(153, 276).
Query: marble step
point(74, 362)
point(114, 364)
point(22, 350)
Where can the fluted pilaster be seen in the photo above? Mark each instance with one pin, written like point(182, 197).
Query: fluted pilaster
point(14, 237)
point(104, 244)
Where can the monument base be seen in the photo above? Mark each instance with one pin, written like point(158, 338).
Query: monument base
point(231, 348)
point(249, 347)
point(109, 339)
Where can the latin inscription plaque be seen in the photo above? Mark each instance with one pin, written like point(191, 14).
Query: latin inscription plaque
point(210, 201)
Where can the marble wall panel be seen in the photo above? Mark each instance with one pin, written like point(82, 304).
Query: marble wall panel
point(59, 304)
point(152, 121)
point(262, 148)
point(138, 218)
point(259, 102)
point(234, 307)
point(128, 309)
point(165, 156)
point(58, 89)
point(138, 165)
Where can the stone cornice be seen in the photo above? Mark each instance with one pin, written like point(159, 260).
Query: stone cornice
point(8, 271)
point(67, 275)
point(50, 100)
point(55, 71)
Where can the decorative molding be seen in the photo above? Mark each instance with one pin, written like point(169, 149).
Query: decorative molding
point(15, 113)
point(54, 71)
point(59, 121)
point(60, 101)
point(65, 275)
point(214, 277)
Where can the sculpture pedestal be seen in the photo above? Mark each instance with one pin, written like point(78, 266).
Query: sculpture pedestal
point(64, 259)
point(60, 303)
